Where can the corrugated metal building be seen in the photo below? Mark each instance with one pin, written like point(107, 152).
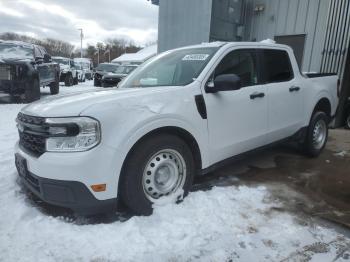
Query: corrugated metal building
point(317, 30)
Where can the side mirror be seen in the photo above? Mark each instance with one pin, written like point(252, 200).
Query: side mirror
point(226, 82)
point(47, 58)
point(39, 60)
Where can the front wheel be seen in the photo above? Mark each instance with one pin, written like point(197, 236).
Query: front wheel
point(96, 82)
point(32, 92)
point(317, 134)
point(160, 168)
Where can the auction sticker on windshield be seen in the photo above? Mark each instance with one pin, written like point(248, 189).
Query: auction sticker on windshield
point(195, 57)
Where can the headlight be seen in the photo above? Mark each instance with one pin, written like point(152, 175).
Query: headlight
point(73, 134)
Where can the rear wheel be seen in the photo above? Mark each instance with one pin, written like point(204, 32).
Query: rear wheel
point(54, 87)
point(32, 92)
point(76, 80)
point(347, 121)
point(158, 167)
point(68, 81)
point(317, 134)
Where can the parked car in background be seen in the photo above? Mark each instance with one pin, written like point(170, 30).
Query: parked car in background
point(185, 113)
point(103, 69)
point(113, 79)
point(68, 72)
point(86, 65)
point(347, 114)
point(80, 72)
point(24, 68)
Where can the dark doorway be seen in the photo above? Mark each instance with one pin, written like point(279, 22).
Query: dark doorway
point(296, 42)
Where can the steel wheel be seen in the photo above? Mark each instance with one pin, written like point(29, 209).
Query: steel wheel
point(164, 174)
point(319, 134)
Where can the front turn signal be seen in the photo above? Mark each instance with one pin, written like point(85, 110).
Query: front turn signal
point(99, 187)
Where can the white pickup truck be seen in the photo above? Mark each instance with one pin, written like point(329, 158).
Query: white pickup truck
point(183, 113)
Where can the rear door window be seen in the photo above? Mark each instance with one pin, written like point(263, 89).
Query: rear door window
point(276, 66)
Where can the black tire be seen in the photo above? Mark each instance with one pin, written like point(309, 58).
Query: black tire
point(347, 121)
point(96, 82)
point(32, 92)
point(75, 81)
point(68, 81)
point(131, 185)
point(311, 146)
point(55, 87)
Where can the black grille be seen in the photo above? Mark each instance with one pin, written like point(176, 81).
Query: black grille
point(28, 141)
point(34, 120)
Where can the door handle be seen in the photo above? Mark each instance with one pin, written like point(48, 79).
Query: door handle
point(257, 95)
point(294, 89)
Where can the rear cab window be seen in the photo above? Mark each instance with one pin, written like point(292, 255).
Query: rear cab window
point(276, 66)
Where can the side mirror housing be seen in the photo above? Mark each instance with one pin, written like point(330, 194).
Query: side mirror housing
point(47, 58)
point(226, 82)
point(39, 60)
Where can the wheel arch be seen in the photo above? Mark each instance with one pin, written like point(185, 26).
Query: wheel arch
point(323, 105)
point(183, 134)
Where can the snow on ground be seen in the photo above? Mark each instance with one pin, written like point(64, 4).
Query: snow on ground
point(226, 223)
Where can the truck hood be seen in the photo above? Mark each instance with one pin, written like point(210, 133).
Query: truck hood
point(73, 104)
point(15, 61)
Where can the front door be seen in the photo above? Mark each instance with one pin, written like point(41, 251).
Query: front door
point(40, 65)
point(237, 120)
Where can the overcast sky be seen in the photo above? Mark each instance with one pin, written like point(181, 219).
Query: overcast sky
point(100, 19)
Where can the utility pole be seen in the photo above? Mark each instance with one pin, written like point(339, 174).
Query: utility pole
point(81, 42)
point(98, 55)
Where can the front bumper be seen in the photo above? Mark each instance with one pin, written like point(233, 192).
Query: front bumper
point(69, 194)
point(13, 86)
point(65, 179)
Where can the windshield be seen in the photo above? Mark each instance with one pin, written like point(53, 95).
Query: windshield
point(11, 51)
point(176, 68)
point(107, 67)
point(125, 69)
point(83, 65)
point(61, 61)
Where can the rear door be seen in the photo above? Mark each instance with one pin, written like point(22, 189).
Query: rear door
point(237, 120)
point(285, 103)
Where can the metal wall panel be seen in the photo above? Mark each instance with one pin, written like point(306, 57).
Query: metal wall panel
point(225, 18)
point(336, 45)
point(292, 17)
point(310, 27)
point(319, 38)
point(283, 10)
point(183, 22)
point(302, 11)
